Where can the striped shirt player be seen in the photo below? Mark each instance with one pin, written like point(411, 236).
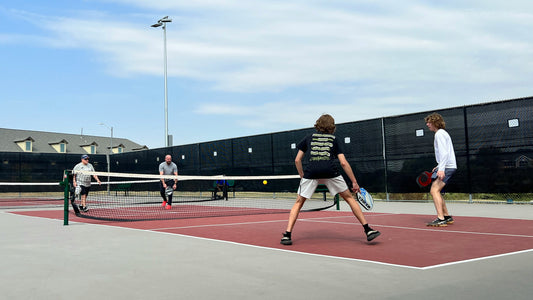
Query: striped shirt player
point(82, 182)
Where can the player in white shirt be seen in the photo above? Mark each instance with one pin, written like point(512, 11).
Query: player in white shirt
point(447, 165)
point(82, 182)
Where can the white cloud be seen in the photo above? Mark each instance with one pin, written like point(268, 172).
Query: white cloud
point(263, 45)
point(280, 115)
point(350, 53)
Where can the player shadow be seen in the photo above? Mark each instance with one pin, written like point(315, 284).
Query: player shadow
point(330, 237)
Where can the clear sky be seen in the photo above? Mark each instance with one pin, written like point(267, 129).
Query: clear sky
point(238, 68)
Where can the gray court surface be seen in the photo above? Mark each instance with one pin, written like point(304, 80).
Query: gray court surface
point(42, 259)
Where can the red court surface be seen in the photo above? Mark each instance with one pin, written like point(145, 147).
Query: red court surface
point(405, 240)
point(25, 202)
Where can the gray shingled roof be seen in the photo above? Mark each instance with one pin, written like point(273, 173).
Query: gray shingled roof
point(43, 141)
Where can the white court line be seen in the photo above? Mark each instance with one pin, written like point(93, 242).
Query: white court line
point(289, 251)
point(320, 220)
point(240, 223)
point(298, 252)
point(226, 224)
point(246, 223)
point(475, 259)
point(324, 220)
point(343, 258)
point(217, 225)
point(429, 229)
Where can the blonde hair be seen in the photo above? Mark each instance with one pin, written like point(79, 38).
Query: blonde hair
point(325, 124)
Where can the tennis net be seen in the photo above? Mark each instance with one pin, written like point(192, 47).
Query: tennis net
point(136, 197)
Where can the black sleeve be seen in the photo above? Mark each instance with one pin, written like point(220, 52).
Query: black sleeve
point(337, 147)
point(302, 145)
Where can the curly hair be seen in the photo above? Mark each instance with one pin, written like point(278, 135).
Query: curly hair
point(437, 120)
point(325, 124)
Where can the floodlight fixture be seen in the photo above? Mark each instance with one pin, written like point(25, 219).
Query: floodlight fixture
point(163, 22)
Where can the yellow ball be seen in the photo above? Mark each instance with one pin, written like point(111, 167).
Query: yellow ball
point(265, 182)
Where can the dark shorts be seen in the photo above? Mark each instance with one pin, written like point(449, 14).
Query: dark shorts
point(85, 190)
point(448, 173)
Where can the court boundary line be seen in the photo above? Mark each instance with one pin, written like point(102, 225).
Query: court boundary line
point(290, 251)
point(477, 259)
point(318, 220)
point(244, 223)
point(214, 225)
point(346, 258)
point(321, 220)
point(229, 242)
point(430, 229)
point(298, 252)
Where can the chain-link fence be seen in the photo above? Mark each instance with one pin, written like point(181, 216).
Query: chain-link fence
point(493, 144)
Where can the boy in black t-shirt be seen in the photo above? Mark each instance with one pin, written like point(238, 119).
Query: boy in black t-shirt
point(324, 149)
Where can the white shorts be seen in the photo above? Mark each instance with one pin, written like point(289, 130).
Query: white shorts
point(335, 185)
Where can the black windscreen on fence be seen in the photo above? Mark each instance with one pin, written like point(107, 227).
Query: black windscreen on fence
point(500, 140)
point(493, 144)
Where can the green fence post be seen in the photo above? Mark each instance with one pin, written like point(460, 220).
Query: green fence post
point(338, 202)
point(64, 183)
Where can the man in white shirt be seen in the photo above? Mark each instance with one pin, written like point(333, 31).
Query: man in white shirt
point(82, 182)
point(447, 165)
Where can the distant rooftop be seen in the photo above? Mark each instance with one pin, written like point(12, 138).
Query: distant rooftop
point(14, 140)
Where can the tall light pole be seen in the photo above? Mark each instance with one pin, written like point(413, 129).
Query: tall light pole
point(163, 22)
point(108, 155)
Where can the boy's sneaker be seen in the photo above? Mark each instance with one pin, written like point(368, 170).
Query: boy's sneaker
point(84, 208)
point(372, 234)
point(286, 239)
point(448, 219)
point(437, 223)
point(168, 207)
point(164, 203)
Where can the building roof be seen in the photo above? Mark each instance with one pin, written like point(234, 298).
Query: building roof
point(43, 142)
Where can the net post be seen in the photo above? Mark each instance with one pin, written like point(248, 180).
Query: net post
point(337, 202)
point(65, 185)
